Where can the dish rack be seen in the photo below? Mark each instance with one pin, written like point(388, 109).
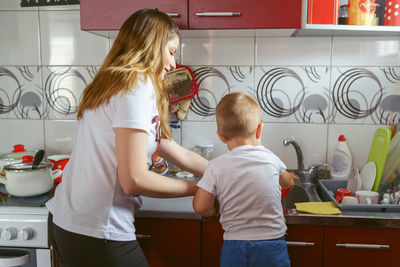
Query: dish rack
point(329, 187)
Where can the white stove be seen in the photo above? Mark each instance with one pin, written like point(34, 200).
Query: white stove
point(23, 231)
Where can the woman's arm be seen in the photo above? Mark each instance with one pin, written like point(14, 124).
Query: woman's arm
point(204, 203)
point(133, 173)
point(182, 157)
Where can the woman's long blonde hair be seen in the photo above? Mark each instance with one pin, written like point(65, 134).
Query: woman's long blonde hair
point(138, 50)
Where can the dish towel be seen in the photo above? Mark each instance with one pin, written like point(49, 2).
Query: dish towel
point(324, 208)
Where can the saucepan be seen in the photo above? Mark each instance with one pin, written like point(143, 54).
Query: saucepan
point(14, 156)
point(26, 179)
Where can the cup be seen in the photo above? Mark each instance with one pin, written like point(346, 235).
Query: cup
point(340, 193)
point(367, 197)
point(349, 200)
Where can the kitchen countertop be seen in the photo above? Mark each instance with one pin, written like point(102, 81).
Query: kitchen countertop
point(181, 208)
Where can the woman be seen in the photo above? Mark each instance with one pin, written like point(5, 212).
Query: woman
point(123, 126)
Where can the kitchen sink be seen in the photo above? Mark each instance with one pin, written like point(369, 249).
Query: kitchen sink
point(301, 192)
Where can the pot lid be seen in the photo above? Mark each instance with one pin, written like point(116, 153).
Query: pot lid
point(18, 152)
point(26, 166)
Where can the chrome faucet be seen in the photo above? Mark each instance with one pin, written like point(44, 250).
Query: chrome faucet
point(299, 153)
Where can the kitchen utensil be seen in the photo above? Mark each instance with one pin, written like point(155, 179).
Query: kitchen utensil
point(378, 153)
point(37, 159)
point(361, 12)
point(367, 197)
point(392, 160)
point(14, 156)
point(22, 180)
point(59, 162)
point(367, 176)
point(340, 193)
point(354, 181)
point(181, 87)
point(392, 10)
point(180, 84)
point(349, 200)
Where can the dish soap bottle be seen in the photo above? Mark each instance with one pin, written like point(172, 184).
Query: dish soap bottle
point(341, 160)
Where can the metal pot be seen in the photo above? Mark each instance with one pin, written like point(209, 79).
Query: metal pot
point(22, 180)
point(14, 156)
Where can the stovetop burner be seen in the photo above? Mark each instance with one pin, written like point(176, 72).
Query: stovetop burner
point(14, 201)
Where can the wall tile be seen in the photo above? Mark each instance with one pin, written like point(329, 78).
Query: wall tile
point(299, 51)
point(202, 133)
point(366, 95)
point(60, 136)
point(358, 138)
point(310, 137)
point(19, 38)
point(294, 94)
point(63, 87)
point(21, 93)
point(366, 51)
point(14, 5)
point(214, 83)
point(218, 51)
point(30, 133)
point(63, 42)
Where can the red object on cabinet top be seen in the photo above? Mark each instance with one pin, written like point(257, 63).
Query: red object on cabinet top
point(323, 12)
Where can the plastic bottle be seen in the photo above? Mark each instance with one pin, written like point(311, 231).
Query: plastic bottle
point(341, 160)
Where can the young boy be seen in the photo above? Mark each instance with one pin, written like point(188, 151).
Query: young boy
point(247, 183)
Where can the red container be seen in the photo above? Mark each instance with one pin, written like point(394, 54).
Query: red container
point(284, 192)
point(59, 162)
point(392, 13)
point(323, 12)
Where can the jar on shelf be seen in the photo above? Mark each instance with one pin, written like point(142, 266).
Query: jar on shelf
point(361, 12)
point(392, 13)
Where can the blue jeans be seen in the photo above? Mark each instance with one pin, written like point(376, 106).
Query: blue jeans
point(258, 253)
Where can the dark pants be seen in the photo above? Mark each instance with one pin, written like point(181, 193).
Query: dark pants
point(75, 250)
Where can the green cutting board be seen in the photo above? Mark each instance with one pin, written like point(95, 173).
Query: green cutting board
point(378, 152)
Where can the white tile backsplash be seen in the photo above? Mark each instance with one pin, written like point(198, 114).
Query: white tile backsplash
point(63, 42)
point(218, 51)
point(19, 38)
point(60, 136)
point(299, 51)
point(38, 44)
point(29, 133)
point(366, 51)
point(310, 137)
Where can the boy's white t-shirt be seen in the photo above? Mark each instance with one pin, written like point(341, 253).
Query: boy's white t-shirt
point(90, 200)
point(245, 181)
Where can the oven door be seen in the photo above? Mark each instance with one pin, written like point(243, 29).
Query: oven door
point(24, 257)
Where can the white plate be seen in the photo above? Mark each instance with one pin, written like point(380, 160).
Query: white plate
point(354, 181)
point(367, 176)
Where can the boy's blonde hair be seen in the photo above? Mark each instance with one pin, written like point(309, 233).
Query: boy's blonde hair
point(238, 114)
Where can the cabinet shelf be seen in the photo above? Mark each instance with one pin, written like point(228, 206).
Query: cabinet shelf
point(321, 30)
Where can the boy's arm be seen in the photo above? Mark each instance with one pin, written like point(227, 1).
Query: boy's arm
point(204, 203)
point(287, 179)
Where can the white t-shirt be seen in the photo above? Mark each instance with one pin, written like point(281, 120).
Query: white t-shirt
point(90, 200)
point(245, 181)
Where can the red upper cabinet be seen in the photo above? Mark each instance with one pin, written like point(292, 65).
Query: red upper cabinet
point(109, 15)
point(244, 14)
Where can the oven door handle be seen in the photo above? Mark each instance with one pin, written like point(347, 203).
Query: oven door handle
point(6, 261)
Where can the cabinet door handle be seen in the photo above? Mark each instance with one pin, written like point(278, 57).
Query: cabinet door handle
point(142, 236)
point(173, 15)
point(218, 14)
point(367, 246)
point(300, 244)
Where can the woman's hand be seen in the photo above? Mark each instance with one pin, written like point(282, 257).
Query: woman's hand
point(133, 173)
point(182, 157)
